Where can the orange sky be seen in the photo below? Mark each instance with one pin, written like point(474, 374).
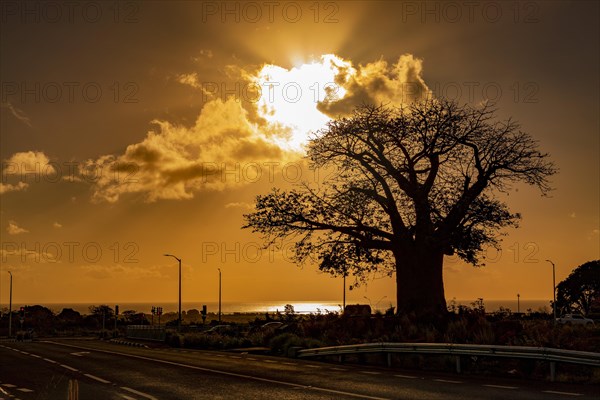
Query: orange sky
point(167, 92)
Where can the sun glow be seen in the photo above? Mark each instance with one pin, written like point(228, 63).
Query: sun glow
point(290, 96)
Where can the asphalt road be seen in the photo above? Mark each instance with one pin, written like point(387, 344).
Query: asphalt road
point(90, 370)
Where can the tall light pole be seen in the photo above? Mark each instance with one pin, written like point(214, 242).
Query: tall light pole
point(344, 298)
point(179, 317)
point(553, 288)
point(518, 303)
point(219, 294)
point(10, 307)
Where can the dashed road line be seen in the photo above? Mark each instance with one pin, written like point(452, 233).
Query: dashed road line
point(50, 361)
point(371, 372)
point(563, 393)
point(69, 368)
point(251, 359)
point(289, 363)
point(35, 355)
point(446, 381)
point(338, 369)
point(25, 390)
point(146, 395)
point(406, 376)
point(94, 377)
point(312, 366)
point(501, 386)
point(271, 361)
point(9, 385)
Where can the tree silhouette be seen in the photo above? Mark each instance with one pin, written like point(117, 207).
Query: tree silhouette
point(408, 186)
point(580, 290)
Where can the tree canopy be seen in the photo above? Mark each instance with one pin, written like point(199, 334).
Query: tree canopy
point(580, 291)
point(409, 186)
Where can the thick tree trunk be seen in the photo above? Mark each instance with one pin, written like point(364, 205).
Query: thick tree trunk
point(419, 281)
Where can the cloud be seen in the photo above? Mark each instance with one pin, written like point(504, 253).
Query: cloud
point(174, 161)
point(239, 205)
point(17, 113)
point(27, 163)
point(572, 215)
point(377, 83)
point(7, 187)
point(57, 225)
point(14, 229)
point(202, 55)
point(189, 79)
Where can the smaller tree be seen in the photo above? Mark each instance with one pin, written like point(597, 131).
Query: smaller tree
point(580, 290)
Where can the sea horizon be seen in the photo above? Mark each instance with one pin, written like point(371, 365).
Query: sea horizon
point(301, 307)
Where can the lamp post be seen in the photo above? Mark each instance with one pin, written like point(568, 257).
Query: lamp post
point(10, 307)
point(179, 317)
point(518, 303)
point(219, 295)
point(553, 289)
point(344, 299)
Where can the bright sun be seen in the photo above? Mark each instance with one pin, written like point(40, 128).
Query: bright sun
point(290, 96)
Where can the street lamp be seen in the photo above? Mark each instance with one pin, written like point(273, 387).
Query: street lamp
point(10, 307)
point(179, 317)
point(518, 303)
point(553, 288)
point(219, 294)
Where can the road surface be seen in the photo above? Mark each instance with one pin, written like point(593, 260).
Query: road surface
point(95, 370)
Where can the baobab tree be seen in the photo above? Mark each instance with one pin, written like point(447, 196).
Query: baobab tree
point(409, 186)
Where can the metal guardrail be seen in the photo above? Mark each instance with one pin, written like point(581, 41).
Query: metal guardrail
point(146, 332)
point(450, 349)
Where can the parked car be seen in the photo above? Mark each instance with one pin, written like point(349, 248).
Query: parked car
point(222, 330)
point(574, 319)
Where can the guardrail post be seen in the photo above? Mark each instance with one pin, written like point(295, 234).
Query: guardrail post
point(341, 358)
point(389, 360)
point(552, 371)
point(457, 364)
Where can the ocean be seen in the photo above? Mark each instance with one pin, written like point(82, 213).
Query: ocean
point(302, 307)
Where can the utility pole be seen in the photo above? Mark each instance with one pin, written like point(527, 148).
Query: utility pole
point(219, 295)
point(10, 308)
point(553, 289)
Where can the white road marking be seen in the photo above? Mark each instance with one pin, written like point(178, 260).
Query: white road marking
point(139, 393)
point(235, 357)
point(289, 363)
point(70, 368)
point(501, 386)
point(227, 373)
point(338, 369)
point(312, 366)
point(96, 378)
point(271, 361)
point(406, 376)
point(251, 359)
point(446, 381)
point(127, 397)
point(371, 372)
point(9, 385)
point(25, 390)
point(80, 353)
point(24, 352)
point(50, 361)
point(563, 393)
point(35, 355)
